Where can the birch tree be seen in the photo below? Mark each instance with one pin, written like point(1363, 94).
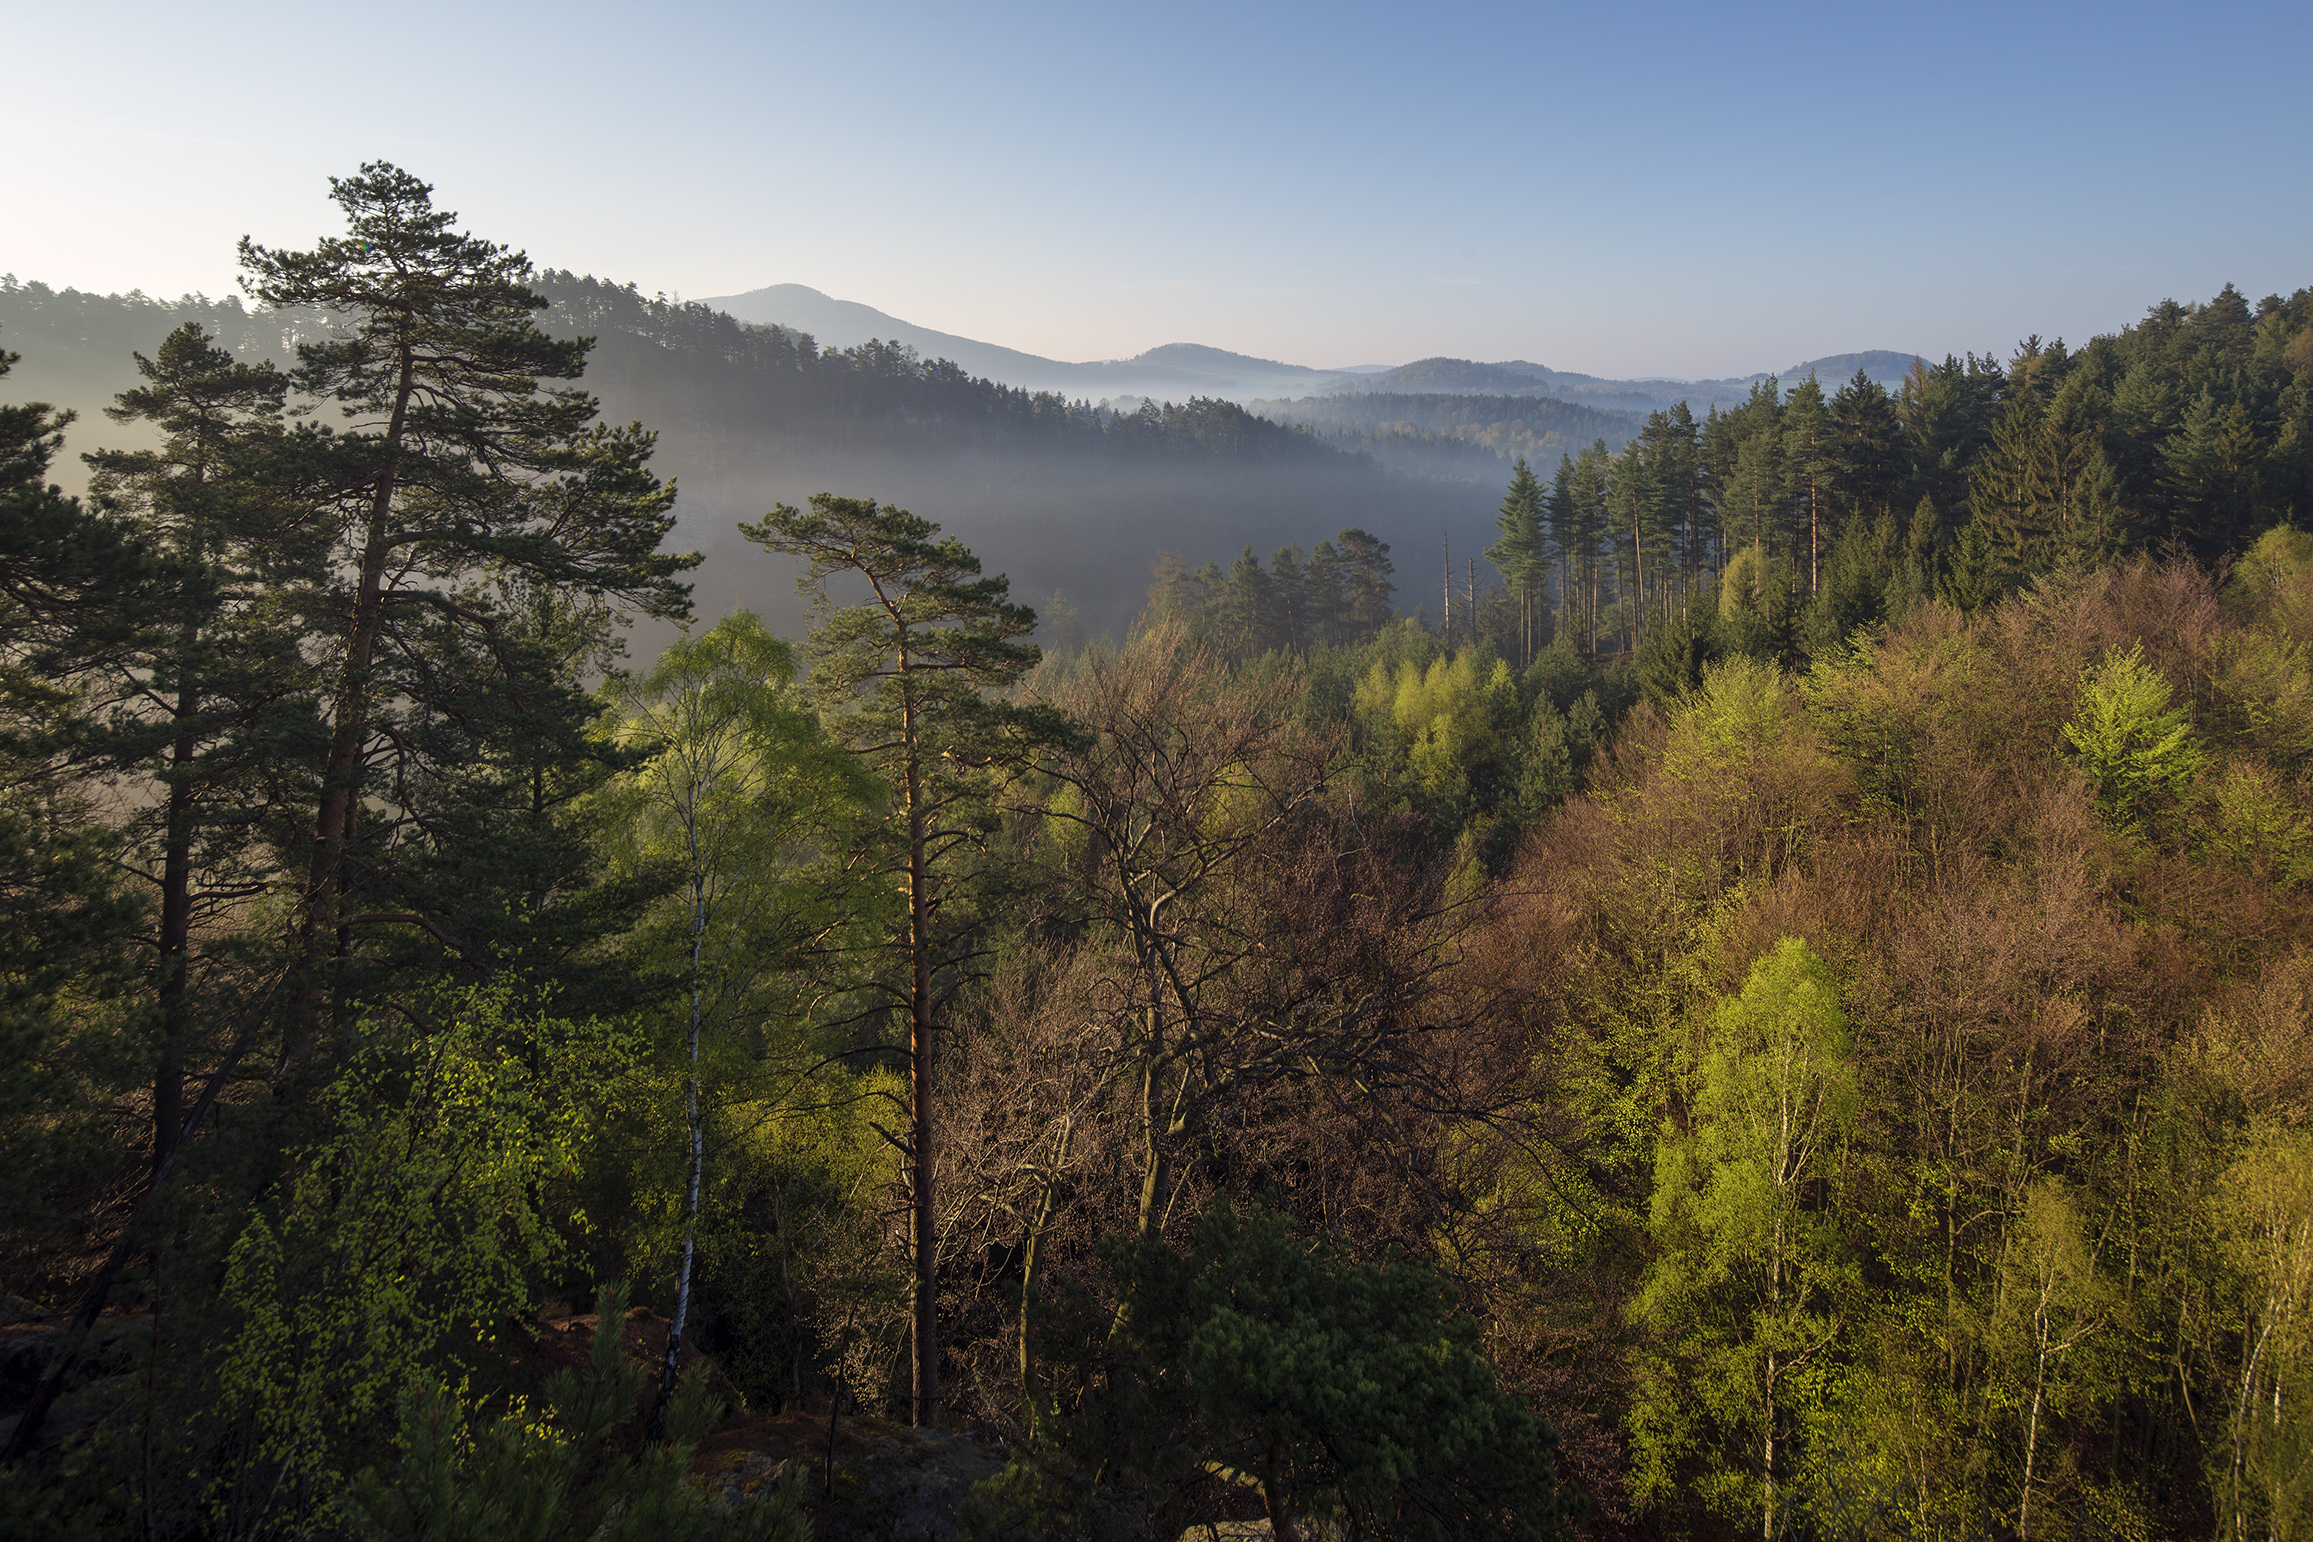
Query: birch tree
point(735, 791)
point(1746, 1290)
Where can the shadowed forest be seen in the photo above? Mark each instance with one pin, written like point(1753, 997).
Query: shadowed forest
point(1765, 995)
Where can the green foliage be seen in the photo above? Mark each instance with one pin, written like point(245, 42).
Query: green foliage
point(1977, 576)
point(1751, 1275)
point(737, 789)
point(733, 789)
point(549, 1474)
point(414, 1227)
point(2021, 1245)
point(2254, 821)
point(1336, 1388)
point(1861, 576)
point(2280, 558)
point(1448, 720)
point(66, 914)
point(2261, 1471)
point(2052, 1324)
point(1522, 552)
point(2138, 753)
point(1675, 652)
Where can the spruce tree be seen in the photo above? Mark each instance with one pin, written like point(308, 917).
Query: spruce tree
point(1289, 598)
point(1808, 467)
point(1522, 552)
point(1248, 604)
point(1321, 595)
point(1590, 494)
point(1559, 515)
point(1868, 460)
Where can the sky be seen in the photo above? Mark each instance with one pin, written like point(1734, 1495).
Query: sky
point(1669, 189)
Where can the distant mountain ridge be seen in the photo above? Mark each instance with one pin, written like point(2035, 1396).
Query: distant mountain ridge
point(1177, 370)
point(1172, 371)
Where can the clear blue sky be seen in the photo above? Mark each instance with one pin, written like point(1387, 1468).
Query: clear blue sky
point(1677, 189)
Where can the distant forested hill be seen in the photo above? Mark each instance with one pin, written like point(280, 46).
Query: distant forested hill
point(1517, 377)
point(1455, 436)
point(1058, 493)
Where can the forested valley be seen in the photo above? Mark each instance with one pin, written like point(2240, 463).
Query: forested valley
point(1768, 997)
point(1061, 495)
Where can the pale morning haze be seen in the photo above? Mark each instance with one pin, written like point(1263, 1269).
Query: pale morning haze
point(1683, 190)
point(1180, 772)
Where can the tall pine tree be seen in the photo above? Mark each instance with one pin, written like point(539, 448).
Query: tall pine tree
point(470, 502)
point(905, 678)
point(1521, 553)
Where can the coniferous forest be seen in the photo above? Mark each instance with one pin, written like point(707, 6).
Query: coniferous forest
point(1772, 1000)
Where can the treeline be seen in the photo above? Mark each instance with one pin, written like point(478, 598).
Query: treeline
point(1816, 512)
point(1442, 435)
point(880, 395)
point(694, 364)
point(1335, 596)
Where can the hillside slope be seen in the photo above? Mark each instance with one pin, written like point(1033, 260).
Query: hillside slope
point(1059, 497)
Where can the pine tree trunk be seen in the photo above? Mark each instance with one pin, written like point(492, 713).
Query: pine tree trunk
point(176, 933)
point(1281, 1524)
point(350, 719)
point(1637, 568)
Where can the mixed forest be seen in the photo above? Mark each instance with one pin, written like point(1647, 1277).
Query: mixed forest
point(1772, 1000)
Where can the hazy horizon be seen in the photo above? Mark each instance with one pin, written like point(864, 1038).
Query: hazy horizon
point(1716, 194)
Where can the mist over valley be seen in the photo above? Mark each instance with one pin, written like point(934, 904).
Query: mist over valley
point(774, 395)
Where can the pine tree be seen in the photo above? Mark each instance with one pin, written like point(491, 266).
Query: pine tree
point(1589, 494)
point(1289, 598)
point(1559, 512)
point(1868, 461)
point(466, 496)
point(1322, 596)
point(1248, 605)
point(1808, 448)
point(904, 680)
point(2044, 488)
point(212, 702)
point(1948, 411)
point(65, 915)
point(1686, 510)
point(1365, 569)
point(1522, 553)
point(1754, 494)
point(2211, 466)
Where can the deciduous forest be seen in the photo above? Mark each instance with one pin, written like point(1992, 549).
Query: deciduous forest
point(1771, 1000)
